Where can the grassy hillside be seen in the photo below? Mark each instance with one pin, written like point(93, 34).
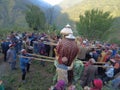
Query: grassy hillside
point(105, 5)
point(39, 77)
point(114, 32)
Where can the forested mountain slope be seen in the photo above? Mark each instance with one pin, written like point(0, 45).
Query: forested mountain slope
point(73, 11)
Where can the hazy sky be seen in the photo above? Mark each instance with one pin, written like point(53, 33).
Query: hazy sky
point(53, 2)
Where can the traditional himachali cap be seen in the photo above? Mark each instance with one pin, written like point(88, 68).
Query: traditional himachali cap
point(98, 83)
point(84, 42)
point(8, 38)
point(23, 51)
point(92, 60)
point(10, 45)
point(70, 36)
point(117, 56)
point(112, 60)
point(66, 30)
point(42, 38)
point(110, 51)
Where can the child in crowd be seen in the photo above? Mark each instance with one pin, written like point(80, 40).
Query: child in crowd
point(62, 70)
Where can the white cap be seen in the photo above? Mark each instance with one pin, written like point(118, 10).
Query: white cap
point(10, 45)
point(92, 60)
point(42, 38)
point(23, 50)
point(84, 42)
point(66, 30)
point(70, 36)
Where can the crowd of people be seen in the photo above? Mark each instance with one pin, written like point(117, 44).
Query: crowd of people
point(91, 52)
point(103, 53)
point(21, 44)
point(75, 59)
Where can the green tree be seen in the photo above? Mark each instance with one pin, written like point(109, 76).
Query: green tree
point(94, 23)
point(35, 17)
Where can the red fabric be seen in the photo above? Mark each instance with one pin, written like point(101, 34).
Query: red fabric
point(67, 48)
point(97, 84)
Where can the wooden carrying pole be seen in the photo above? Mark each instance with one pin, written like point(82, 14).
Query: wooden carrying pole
point(41, 56)
point(46, 60)
point(52, 58)
point(37, 59)
point(102, 63)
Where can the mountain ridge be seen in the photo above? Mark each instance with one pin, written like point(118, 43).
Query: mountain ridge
point(12, 11)
point(105, 5)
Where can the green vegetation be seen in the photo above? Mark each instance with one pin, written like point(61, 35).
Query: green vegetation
point(11, 13)
point(94, 23)
point(12, 18)
point(40, 78)
point(105, 5)
point(74, 11)
point(35, 17)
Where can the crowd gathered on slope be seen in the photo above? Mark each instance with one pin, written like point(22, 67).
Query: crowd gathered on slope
point(78, 60)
